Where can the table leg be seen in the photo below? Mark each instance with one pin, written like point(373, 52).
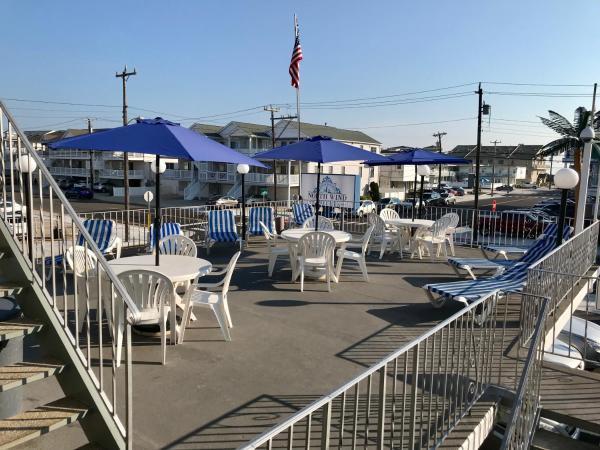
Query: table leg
point(333, 274)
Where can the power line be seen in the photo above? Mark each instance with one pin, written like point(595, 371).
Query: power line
point(412, 124)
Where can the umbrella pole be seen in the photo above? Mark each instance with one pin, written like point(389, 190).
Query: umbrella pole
point(421, 198)
point(414, 195)
point(318, 194)
point(157, 213)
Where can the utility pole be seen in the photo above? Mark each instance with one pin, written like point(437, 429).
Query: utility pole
point(90, 131)
point(479, 93)
point(273, 110)
point(494, 164)
point(439, 135)
point(124, 77)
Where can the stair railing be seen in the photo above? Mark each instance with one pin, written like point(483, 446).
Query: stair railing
point(87, 308)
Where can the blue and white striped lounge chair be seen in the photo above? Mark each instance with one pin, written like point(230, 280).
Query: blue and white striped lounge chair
point(104, 234)
point(166, 229)
point(301, 212)
point(221, 228)
point(544, 244)
point(262, 214)
point(505, 250)
point(513, 279)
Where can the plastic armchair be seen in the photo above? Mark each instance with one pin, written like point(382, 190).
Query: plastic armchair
point(315, 250)
point(177, 244)
point(325, 224)
point(82, 262)
point(433, 236)
point(274, 250)
point(381, 236)
point(202, 294)
point(358, 256)
point(154, 295)
point(453, 223)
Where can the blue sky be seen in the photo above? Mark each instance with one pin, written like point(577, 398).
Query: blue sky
point(200, 58)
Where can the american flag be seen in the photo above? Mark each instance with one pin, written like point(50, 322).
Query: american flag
point(295, 62)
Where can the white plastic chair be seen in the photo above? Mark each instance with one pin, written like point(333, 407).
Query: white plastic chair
point(83, 263)
point(315, 250)
point(199, 294)
point(381, 235)
point(154, 295)
point(389, 214)
point(325, 224)
point(177, 244)
point(274, 249)
point(454, 219)
point(433, 236)
point(358, 256)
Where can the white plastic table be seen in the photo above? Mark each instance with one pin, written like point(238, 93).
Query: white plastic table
point(293, 236)
point(410, 224)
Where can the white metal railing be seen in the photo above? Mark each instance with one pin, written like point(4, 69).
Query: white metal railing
point(209, 175)
point(118, 173)
point(69, 154)
point(267, 179)
point(177, 174)
point(414, 397)
point(69, 171)
point(49, 229)
point(119, 155)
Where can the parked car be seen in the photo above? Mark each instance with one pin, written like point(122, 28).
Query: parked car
point(220, 200)
point(553, 209)
point(505, 187)
point(388, 202)
point(255, 199)
point(585, 337)
point(105, 188)
point(433, 198)
point(366, 207)
point(521, 223)
point(528, 185)
point(448, 198)
point(458, 191)
point(80, 184)
point(80, 193)
point(12, 208)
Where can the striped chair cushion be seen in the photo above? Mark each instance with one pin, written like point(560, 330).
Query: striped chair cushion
point(103, 232)
point(221, 226)
point(166, 229)
point(259, 214)
point(302, 211)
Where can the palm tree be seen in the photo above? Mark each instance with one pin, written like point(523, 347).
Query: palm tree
point(569, 140)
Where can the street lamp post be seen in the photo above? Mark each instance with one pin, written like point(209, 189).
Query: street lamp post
point(587, 137)
point(27, 165)
point(243, 169)
point(565, 179)
point(157, 166)
point(423, 171)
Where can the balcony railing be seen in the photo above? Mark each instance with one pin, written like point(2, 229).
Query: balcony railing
point(68, 154)
point(118, 173)
point(223, 177)
point(175, 174)
point(267, 179)
point(69, 171)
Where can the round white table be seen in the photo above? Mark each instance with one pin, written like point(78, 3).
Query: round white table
point(176, 268)
point(293, 236)
point(409, 224)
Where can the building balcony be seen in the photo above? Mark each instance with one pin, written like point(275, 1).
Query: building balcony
point(68, 154)
point(69, 171)
point(175, 174)
point(267, 179)
point(217, 177)
point(118, 173)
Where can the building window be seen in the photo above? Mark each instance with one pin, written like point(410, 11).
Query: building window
point(374, 149)
point(170, 166)
point(233, 144)
point(371, 172)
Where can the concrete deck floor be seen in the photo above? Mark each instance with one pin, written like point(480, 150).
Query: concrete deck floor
point(288, 349)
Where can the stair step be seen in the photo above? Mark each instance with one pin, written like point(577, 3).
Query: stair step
point(546, 440)
point(31, 424)
point(16, 328)
point(18, 374)
point(8, 288)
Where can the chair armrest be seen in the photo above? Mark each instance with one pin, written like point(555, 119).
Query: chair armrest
point(208, 285)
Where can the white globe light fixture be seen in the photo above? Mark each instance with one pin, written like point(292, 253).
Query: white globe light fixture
point(587, 134)
point(564, 179)
point(162, 166)
point(26, 164)
point(243, 169)
point(148, 196)
point(423, 171)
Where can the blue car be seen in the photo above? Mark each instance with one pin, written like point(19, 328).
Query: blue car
point(79, 193)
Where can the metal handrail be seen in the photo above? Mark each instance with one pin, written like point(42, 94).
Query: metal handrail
point(134, 310)
point(523, 416)
point(265, 437)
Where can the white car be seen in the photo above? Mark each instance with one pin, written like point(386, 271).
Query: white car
point(528, 185)
point(366, 207)
point(10, 209)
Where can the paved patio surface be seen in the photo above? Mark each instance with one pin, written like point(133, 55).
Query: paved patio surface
point(288, 349)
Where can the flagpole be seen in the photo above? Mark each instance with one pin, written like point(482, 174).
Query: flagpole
point(296, 34)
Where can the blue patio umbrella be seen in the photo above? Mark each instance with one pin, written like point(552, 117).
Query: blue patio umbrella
point(418, 156)
point(320, 149)
point(157, 137)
